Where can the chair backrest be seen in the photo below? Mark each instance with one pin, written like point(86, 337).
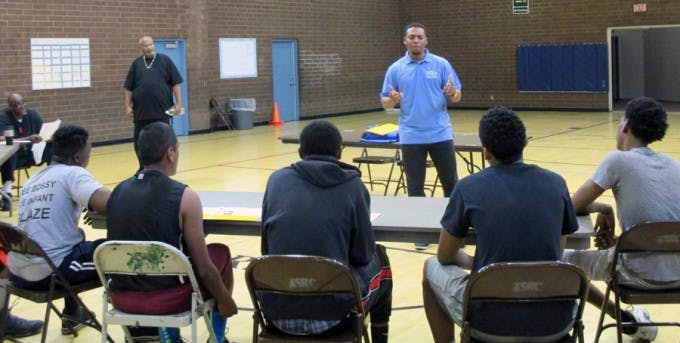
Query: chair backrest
point(301, 276)
point(650, 237)
point(141, 258)
point(15, 240)
point(527, 282)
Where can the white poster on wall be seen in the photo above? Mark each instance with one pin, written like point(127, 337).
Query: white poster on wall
point(60, 63)
point(238, 58)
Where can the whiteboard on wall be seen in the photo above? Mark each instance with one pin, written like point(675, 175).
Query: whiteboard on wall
point(58, 63)
point(238, 58)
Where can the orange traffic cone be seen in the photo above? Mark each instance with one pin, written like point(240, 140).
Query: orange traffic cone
point(276, 120)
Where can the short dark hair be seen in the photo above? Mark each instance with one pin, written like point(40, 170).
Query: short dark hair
point(68, 140)
point(412, 25)
point(503, 134)
point(647, 119)
point(320, 137)
point(154, 140)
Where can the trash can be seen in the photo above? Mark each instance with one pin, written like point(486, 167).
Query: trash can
point(242, 112)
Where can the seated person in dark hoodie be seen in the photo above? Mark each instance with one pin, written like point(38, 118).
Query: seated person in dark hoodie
point(319, 206)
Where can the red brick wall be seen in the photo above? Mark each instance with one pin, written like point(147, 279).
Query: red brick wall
point(480, 38)
point(113, 28)
point(344, 49)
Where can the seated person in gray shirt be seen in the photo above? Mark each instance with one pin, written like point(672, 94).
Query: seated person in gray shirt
point(51, 204)
point(646, 187)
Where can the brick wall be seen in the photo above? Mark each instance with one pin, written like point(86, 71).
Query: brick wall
point(344, 48)
point(113, 28)
point(480, 38)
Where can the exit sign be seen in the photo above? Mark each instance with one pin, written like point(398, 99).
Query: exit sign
point(639, 8)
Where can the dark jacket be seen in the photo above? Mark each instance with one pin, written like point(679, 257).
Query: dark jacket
point(318, 206)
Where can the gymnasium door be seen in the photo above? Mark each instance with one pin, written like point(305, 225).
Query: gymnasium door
point(285, 78)
point(174, 48)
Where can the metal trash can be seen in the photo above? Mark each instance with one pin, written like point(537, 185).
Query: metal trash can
point(242, 112)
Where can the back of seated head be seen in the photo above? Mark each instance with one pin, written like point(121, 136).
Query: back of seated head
point(502, 134)
point(320, 137)
point(67, 141)
point(647, 119)
point(154, 140)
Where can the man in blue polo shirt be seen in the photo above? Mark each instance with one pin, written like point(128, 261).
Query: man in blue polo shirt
point(423, 83)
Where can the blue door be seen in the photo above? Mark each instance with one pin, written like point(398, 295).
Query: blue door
point(174, 48)
point(285, 78)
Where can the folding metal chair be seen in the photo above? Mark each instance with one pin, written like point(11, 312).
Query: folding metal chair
point(649, 238)
point(401, 182)
point(17, 241)
point(527, 282)
point(298, 277)
point(149, 259)
point(368, 160)
point(220, 113)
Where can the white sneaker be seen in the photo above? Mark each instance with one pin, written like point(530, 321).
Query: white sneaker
point(642, 316)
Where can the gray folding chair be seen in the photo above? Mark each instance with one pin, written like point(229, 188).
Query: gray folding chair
point(15, 240)
point(527, 282)
point(303, 276)
point(648, 238)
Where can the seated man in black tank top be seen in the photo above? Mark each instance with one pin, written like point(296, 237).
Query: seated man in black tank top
point(146, 207)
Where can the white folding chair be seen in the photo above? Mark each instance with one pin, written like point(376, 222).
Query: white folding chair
point(149, 259)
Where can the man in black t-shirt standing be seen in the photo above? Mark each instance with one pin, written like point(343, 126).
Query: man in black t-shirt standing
point(151, 82)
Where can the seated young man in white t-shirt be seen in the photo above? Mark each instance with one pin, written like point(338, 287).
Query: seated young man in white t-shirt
point(51, 203)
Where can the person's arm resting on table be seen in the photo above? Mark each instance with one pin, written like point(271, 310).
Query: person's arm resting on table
point(449, 251)
point(584, 203)
point(191, 220)
point(98, 200)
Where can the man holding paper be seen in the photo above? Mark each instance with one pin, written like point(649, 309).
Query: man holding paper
point(18, 122)
point(151, 83)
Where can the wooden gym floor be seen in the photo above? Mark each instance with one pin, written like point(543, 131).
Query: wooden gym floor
point(569, 143)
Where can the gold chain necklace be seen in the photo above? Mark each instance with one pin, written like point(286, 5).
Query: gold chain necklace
point(152, 60)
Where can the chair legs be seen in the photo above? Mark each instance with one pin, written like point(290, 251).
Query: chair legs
point(18, 185)
point(368, 160)
point(401, 182)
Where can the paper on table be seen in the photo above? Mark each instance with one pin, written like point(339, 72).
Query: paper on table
point(383, 129)
point(232, 213)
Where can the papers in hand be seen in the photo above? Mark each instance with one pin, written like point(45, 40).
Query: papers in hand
point(247, 214)
point(46, 133)
point(171, 112)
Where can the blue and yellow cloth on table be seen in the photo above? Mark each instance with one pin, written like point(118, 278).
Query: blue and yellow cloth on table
point(385, 133)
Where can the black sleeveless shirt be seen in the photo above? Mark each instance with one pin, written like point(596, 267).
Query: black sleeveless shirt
point(145, 207)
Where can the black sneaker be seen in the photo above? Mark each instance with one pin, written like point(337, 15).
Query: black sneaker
point(18, 327)
point(6, 203)
point(142, 334)
point(70, 327)
point(421, 246)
